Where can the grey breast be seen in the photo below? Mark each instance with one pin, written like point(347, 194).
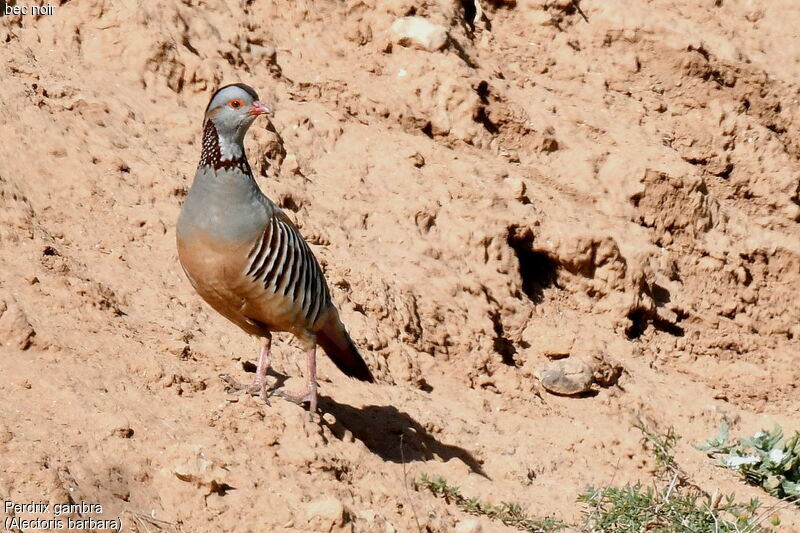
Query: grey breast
point(226, 205)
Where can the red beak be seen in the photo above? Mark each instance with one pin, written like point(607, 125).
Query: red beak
point(259, 109)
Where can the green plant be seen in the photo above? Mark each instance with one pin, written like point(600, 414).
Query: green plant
point(510, 514)
point(661, 446)
point(672, 505)
point(766, 459)
point(634, 509)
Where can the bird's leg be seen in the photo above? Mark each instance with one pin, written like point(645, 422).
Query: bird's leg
point(258, 388)
point(311, 377)
point(310, 395)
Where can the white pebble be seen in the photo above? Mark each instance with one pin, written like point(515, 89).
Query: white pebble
point(419, 32)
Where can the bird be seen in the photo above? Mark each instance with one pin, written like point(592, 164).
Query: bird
point(247, 259)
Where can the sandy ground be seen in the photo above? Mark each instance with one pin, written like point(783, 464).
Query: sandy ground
point(617, 183)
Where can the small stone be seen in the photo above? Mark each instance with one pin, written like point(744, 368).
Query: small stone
point(15, 330)
point(124, 432)
point(327, 512)
point(291, 164)
point(271, 55)
point(568, 376)
point(178, 348)
point(417, 160)
point(192, 466)
point(5, 435)
point(606, 372)
point(470, 525)
point(518, 188)
point(419, 32)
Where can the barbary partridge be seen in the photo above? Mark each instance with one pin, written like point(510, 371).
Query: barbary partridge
point(247, 259)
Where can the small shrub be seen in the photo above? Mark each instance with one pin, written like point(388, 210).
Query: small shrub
point(510, 514)
point(672, 505)
point(766, 459)
point(634, 509)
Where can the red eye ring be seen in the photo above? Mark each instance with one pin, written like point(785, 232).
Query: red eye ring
point(236, 103)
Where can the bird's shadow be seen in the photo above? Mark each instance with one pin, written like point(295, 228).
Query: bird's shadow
point(392, 434)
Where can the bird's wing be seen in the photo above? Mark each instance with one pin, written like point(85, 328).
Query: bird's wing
point(286, 273)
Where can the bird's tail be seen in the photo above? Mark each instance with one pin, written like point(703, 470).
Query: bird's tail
point(336, 342)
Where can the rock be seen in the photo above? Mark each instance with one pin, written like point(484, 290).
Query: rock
point(325, 513)
point(178, 348)
point(470, 525)
point(6, 435)
point(15, 330)
point(568, 376)
point(518, 188)
point(606, 373)
point(419, 32)
point(291, 164)
point(123, 432)
point(417, 160)
point(192, 466)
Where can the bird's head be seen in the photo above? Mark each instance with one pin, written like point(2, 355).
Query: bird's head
point(232, 110)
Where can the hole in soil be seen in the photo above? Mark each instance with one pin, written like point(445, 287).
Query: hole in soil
point(424, 386)
point(537, 269)
point(638, 324)
point(502, 344)
point(660, 294)
point(482, 116)
point(428, 130)
point(774, 128)
point(725, 174)
point(484, 119)
point(288, 202)
point(639, 320)
point(483, 91)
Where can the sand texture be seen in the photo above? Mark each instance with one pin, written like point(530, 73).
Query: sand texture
point(614, 186)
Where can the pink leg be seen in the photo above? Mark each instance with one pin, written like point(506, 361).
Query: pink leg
point(310, 395)
point(311, 377)
point(259, 386)
point(259, 383)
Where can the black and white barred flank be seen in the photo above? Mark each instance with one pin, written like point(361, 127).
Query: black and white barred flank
point(283, 262)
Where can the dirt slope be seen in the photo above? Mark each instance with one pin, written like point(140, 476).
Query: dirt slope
point(617, 182)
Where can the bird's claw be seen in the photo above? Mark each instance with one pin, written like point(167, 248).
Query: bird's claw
point(298, 399)
point(309, 397)
point(256, 389)
point(233, 385)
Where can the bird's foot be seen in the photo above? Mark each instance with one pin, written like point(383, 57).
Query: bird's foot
point(309, 396)
point(258, 388)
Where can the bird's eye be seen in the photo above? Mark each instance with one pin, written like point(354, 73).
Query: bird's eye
point(236, 103)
